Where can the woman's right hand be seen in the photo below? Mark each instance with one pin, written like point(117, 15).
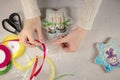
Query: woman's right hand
point(32, 28)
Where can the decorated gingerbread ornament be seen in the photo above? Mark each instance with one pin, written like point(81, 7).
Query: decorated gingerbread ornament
point(56, 23)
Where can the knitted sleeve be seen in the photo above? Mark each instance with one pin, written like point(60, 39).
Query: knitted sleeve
point(88, 13)
point(30, 8)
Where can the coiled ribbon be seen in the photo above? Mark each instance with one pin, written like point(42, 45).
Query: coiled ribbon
point(6, 51)
point(5, 69)
point(5, 64)
point(13, 39)
point(34, 71)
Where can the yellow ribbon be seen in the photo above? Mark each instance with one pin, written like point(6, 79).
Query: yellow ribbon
point(21, 52)
point(51, 64)
point(18, 66)
point(18, 53)
point(21, 49)
point(52, 67)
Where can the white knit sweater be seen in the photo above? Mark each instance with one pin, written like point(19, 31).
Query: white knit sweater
point(82, 11)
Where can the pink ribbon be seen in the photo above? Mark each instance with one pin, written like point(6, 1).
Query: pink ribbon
point(7, 56)
point(7, 53)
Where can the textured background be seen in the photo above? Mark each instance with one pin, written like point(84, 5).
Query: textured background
point(107, 24)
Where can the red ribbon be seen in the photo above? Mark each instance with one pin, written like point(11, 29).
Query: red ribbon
point(7, 56)
point(33, 73)
point(7, 53)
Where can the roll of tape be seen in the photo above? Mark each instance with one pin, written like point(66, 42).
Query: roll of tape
point(17, 48)
point(5, 69)
point(5, 56)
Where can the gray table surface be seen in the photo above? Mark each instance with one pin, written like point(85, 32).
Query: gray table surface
point(81, 63)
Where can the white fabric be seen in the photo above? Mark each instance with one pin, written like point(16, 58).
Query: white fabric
point(82, 11)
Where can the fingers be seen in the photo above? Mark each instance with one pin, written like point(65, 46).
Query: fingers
point(68, 47)
point(39, 34)
point(65, 47)
point(61, 40)
point(66, 44)
point(25, 41)
point(28, 39)
point(31, 32)
point(27, 44)
point(32, 40)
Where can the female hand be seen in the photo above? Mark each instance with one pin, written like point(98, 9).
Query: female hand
point(71, 42)
point(31, 28)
